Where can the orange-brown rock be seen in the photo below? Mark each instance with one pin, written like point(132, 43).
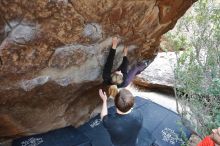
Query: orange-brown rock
point(52, 54)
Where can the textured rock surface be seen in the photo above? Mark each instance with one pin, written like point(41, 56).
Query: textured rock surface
point(159, 74)
point(52, 53)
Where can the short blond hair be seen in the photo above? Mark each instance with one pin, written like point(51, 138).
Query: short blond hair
point(117, 79)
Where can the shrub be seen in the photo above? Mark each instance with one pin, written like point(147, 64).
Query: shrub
point(197, 72)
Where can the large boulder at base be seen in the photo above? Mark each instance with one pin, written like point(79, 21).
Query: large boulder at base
point(159, 75)
point(52, 54)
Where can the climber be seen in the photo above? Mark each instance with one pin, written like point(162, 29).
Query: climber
point(121, 77)
point(117, 77)
point(211, 140)
point(124, 125)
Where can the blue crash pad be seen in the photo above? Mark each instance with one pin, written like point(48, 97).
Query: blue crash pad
point(164, 124)
point(68, 136)
point(160, 126)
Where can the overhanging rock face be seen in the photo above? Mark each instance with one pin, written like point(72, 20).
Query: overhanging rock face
point(52, 54)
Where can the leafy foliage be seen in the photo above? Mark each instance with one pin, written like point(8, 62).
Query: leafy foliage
point(197, 71)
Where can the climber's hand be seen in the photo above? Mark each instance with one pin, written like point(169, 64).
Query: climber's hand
point(114, 42)
point(125, 51)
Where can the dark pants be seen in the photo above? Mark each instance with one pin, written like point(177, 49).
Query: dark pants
point(135, 70)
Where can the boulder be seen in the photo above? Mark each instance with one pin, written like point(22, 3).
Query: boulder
point(52, 54)
point(159, 75)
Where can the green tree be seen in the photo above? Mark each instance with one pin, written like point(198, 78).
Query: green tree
point(197, 72)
